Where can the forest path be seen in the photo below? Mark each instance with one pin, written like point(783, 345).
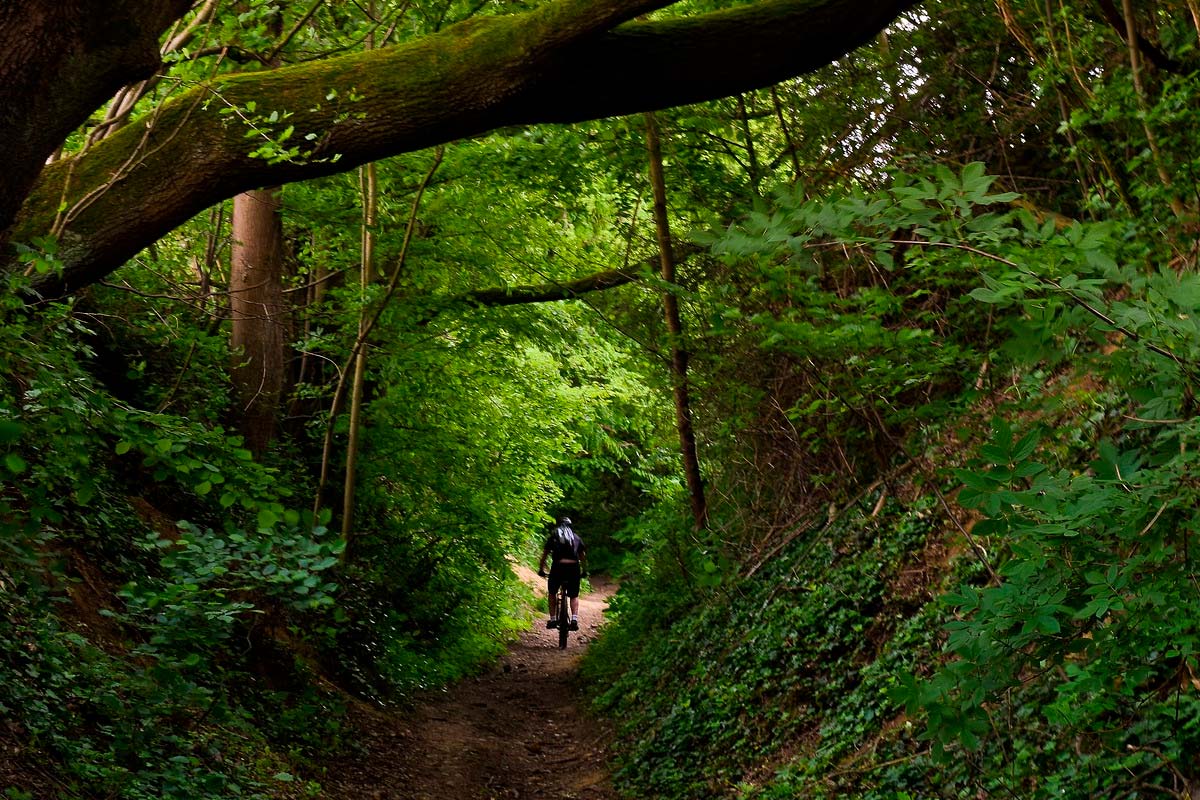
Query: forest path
point(516, 732)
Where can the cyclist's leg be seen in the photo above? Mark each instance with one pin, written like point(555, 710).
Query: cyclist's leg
point(572, 581)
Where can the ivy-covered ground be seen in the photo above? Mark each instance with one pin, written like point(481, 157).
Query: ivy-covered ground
point(1025, 629)
point(808, 681)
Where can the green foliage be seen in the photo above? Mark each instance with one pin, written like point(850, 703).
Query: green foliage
point(1086, 633)
point(1097, 588)
point(1094, 603)
point(807, 649)
point(101, 689)
point(431, 570)
point(195, 607)
point(855, 311)
point(39, 256)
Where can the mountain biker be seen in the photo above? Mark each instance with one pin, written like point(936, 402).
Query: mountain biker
point(569, 555)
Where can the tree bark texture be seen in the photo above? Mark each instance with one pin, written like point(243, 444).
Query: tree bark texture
point(60, 61)
point(679, 355)
point(567, 61)
point(259, 311)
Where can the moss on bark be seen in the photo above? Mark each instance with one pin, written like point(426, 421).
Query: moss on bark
point(560, 63)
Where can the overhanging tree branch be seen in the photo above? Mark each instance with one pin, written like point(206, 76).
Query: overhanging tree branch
point(557, 290)
point(564, 62)
point(547, 292)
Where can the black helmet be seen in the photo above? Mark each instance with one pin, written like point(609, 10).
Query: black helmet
point(564, 520)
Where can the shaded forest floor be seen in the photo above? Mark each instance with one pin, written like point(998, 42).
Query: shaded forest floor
point(517, 732)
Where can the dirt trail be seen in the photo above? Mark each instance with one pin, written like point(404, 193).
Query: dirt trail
point(514, 733)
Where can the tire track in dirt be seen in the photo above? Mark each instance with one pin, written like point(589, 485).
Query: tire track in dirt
point(516, 732)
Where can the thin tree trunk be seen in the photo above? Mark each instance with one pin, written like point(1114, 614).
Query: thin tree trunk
point(751, 155)
point(212, 248)
point(787, 136)
point(679, 356)
point(259, 313)
point(335, 406)
point(1131, 39)
point(370, 201)
point(368, 181)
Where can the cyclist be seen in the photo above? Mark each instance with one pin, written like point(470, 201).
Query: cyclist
point(569, 555)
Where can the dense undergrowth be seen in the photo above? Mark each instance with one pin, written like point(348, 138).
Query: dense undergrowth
point(852, 665)
point(995, 590)
point(803, 652)
point(794, 684)
point(118, 625)
point(175, 621)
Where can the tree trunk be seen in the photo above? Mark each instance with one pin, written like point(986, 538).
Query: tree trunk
point(679, 356)
point(260, 314)
point(1139, 89)
point(59, 61)
point(365, 331)
point(368, 184)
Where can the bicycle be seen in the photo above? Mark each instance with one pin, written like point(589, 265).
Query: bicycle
point(563, 616)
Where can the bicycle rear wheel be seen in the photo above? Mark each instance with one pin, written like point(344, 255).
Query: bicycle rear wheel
point(564, 619)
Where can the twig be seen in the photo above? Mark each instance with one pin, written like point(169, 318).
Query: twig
point(187, 361)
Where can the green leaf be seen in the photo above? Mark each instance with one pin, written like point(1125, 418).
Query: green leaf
point(10, 431)
point(324, 563)
point(1024, 448)
point(985, 295)
point(16, 465)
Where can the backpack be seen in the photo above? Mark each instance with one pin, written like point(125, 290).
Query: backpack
point(565, 543)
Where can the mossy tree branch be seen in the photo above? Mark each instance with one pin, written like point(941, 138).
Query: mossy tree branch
point(60, 61)
point(547, 292)
point(559, 290)
point(568, 61)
